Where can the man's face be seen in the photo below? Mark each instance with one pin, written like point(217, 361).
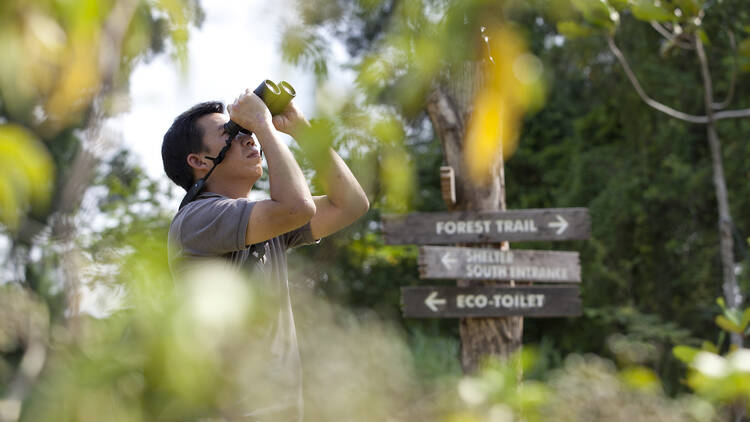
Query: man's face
point(242, 161)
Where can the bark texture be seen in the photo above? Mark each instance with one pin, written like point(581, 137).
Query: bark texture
point(449, 108)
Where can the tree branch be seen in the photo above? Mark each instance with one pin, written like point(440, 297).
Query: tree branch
point(708, 87)
point(730, 94)
point(732, 114)
point(648, 100)
point(115, 30)
point(671, 37)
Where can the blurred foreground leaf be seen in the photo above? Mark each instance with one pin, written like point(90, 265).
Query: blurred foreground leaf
point(513, 87)
point(26, 180)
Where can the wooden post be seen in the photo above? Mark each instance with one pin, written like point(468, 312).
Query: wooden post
point(449, 107)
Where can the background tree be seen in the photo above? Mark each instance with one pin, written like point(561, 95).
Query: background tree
point(65, 67)
point(682, 25)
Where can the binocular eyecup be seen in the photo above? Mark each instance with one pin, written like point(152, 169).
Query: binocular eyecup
point(275, 96)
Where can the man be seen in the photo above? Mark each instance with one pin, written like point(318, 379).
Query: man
point(223, 223)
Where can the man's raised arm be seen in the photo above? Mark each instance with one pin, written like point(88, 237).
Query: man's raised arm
point(345, 200)
point(291, 205)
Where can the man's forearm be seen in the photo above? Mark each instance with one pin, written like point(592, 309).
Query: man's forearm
point(341, 187)
point(287, 183)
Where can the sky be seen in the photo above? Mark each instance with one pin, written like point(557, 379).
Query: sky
point(236, 48)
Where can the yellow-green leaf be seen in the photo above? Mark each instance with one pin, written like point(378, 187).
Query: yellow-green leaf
point(721, 303)
point(704, 37)
point(572, 29)
point(641, 378)
point(26, 180)
point(648, 10)
point(725, 324)
point(744, 49)
point(745, 319)
point(685, 353)
point(709, 347)
point(597, 13)
point(689, 8)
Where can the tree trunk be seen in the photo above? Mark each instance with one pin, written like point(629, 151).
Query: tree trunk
point(479, 336)
point(732, 293)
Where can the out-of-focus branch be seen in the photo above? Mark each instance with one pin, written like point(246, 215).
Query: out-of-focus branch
point(115, 29)
point(730, 94)
point(82, 171)
point(78, 180)
point(19, 388)
point(25, 321)
point(708, 88)
point(732, 114)
point(671, 37)
point(648, 100)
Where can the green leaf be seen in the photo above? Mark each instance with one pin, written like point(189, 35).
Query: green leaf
point(689, 8)
point(27, 176)
point(734, 315)
point(686, 354)
point(745, 319)
point(704, 37)
point(619, 5)
point(597, 13)
point(721, 303)
point(744, 50)
point(573, 30)
point(647, 10)
point(709, 347)
point(725, 324)
point(641, 378)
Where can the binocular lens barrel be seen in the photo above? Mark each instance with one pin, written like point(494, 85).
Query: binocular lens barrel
point(267, 90)
point(276, 97)
point(285, 96)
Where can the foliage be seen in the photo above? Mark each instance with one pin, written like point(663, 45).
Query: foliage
point(26, 183)
point(650, 269)
point(65, 67)
point(584, 388)
point(191, 352)
point(722, 378)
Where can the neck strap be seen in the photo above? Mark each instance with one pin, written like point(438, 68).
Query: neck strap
point(198, 186)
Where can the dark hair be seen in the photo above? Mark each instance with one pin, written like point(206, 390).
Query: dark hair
point(183, 138)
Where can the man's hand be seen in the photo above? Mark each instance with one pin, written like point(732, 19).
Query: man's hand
point(249, 111)
point(291, 120)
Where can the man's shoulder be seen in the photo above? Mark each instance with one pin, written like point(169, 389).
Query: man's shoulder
point(211, 203)
point(213, 224)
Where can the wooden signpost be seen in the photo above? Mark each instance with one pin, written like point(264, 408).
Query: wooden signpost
point(487, 227)
point(494, 264)
point(490, 301)
point(463, 263)
point(490, 307)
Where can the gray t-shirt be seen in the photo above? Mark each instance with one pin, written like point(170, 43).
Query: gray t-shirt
point(214, 226)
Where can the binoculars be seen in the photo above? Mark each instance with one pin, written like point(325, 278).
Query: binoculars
point(275, 96)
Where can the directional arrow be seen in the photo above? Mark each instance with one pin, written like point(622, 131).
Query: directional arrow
point(561, 224)
point(466, 227)
point(432, 300)
point(448, 260)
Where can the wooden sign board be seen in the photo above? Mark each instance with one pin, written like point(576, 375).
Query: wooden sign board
point(490, 301)
point(487, 227)
point(494, 264)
